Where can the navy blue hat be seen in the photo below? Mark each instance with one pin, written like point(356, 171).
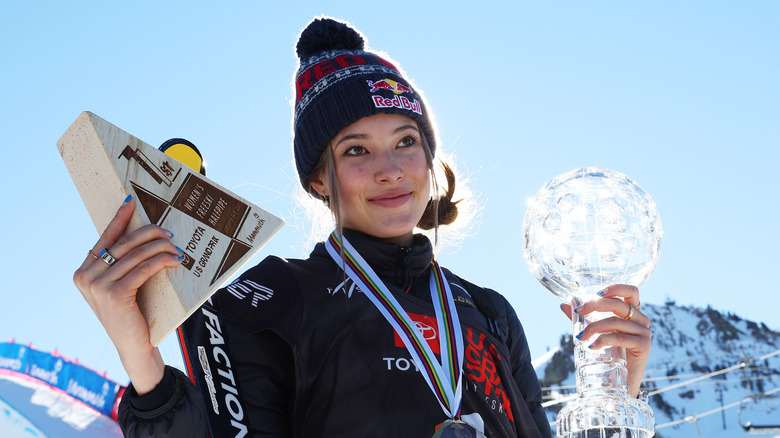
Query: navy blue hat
point(338, 83)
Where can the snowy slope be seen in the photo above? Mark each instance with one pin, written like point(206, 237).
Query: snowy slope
point(709, 374)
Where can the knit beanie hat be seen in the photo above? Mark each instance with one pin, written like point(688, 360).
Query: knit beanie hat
point(338, 82)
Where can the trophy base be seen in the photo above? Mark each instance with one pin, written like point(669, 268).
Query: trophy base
point(606, 417)
point(224, 230)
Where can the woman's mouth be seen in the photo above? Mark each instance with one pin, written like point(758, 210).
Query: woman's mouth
point(392, 199)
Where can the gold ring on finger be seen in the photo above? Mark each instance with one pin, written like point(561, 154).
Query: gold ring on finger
point(630, 312)
point(93, 254)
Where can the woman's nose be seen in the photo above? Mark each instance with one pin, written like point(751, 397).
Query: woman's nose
point(388, 168)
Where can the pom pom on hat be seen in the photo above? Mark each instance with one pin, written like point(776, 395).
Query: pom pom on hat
point(339, 82)
point(327, 34)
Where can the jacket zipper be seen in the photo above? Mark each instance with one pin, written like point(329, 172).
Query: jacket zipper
point(407, 268)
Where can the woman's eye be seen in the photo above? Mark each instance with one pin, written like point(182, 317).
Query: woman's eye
point(408, 141)
point(356, 150)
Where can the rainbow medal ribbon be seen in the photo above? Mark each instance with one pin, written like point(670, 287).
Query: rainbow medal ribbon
point(443, 378)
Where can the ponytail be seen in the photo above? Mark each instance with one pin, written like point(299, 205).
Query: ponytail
point(441, 210)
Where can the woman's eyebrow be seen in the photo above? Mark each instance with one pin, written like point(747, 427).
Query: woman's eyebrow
point(349, 137)
point(405, 127)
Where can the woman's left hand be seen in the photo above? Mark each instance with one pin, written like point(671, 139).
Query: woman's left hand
point(629, 328)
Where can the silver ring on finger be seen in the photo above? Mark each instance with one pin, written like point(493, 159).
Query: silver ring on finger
point(106, 257)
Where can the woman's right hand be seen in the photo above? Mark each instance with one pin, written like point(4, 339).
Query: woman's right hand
point(111, 290)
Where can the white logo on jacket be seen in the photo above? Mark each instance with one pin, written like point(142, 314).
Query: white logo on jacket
point(240, 289)
point(425, 330)
point(347, 287)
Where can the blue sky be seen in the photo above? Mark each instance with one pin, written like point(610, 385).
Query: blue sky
point(683, 97)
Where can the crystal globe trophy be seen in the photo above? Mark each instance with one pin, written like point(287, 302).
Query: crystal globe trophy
point(585, 230)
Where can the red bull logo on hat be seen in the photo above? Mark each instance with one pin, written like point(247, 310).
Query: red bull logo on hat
point(389, 85)
point(398, 101)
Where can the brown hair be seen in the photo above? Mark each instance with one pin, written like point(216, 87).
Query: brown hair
point(441, 210)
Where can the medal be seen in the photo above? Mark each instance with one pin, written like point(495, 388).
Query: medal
point(443, 378)
point(457, 429)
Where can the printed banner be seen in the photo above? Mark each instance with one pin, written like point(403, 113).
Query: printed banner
point(77, 381)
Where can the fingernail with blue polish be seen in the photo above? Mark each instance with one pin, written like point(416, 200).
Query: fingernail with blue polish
point(580, 335)
point(180, 250)
point(168, 233)
point(180, 258)
point(590, 347)
point(602, 293)
point(129, 197)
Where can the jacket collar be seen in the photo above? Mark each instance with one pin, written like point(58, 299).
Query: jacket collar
point(392, 262)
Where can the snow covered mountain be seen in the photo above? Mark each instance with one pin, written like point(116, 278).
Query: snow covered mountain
point(710, 374)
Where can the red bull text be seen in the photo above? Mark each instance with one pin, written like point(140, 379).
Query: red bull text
point(398, 102)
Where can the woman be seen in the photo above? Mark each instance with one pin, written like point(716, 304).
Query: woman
point(368, 336)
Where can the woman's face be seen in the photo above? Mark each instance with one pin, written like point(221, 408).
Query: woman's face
point(382, 176)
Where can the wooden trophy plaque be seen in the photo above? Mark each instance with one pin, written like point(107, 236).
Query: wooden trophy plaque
point(217, 230)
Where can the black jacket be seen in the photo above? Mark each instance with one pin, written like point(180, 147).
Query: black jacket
point(307, 355)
